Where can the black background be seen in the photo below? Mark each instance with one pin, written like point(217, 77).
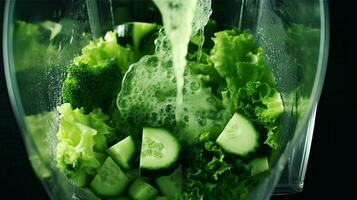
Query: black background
point(331, 172)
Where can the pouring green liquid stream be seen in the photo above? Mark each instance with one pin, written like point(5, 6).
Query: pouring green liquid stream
point(182, 19)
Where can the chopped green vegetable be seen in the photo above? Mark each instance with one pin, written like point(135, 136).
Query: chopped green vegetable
point(230, 115)
point(99, 51)
point(206, 165)
point(79, 137)
point(110, 180)
point(91, 86)
point(140, 30)
point(170, 185)
point(95, 77)
point(262, 104)
point(250, 85)
point(259, 165)
point(159, 150)
point(141, 190)
point(123, 152)
point(239, 136)
point(245, 65)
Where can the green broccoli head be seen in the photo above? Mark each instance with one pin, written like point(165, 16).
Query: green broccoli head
point(91, 86)
point(94, 77)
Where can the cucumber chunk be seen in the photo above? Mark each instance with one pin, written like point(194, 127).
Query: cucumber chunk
point(170, 185)
point(141, 190)
point(140, 30)
point(259, 165)
point(110, 180)
point(136, 31)
point(159, 149)
point(239, 136)
point(123, 152)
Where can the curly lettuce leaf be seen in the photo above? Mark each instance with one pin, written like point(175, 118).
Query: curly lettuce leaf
point(262, 104)
point(231, 185)
point(238, 59)
point(97, 53)
point(200, 64)
point(81, 138)
point(250, 84)
point(207, 169)
point(217, 166)
point(234, 187)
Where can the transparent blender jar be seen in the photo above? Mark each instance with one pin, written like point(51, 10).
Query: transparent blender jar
point(294, 35)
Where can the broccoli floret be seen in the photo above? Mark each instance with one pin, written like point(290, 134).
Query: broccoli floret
point(91, 86)
point(94, 77)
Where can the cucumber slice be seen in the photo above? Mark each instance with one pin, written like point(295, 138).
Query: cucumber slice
point(259, 165)
point(123, 152)
point(140, 30)
point(159, 149)
point(137, 31)
point(239, 136)
point(141, 190)
point(110, 180)
point(170, 185)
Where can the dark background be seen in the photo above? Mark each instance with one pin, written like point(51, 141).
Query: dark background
point(331, 172)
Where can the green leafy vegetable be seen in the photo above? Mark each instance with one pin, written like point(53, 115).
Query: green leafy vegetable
point(212, 174)
point(80, 138)
point(206, 168)
point(263, 105)
point(203, 66)
point(98, 52)
point(250, 84)
point(244, 65)
point(237, 73)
